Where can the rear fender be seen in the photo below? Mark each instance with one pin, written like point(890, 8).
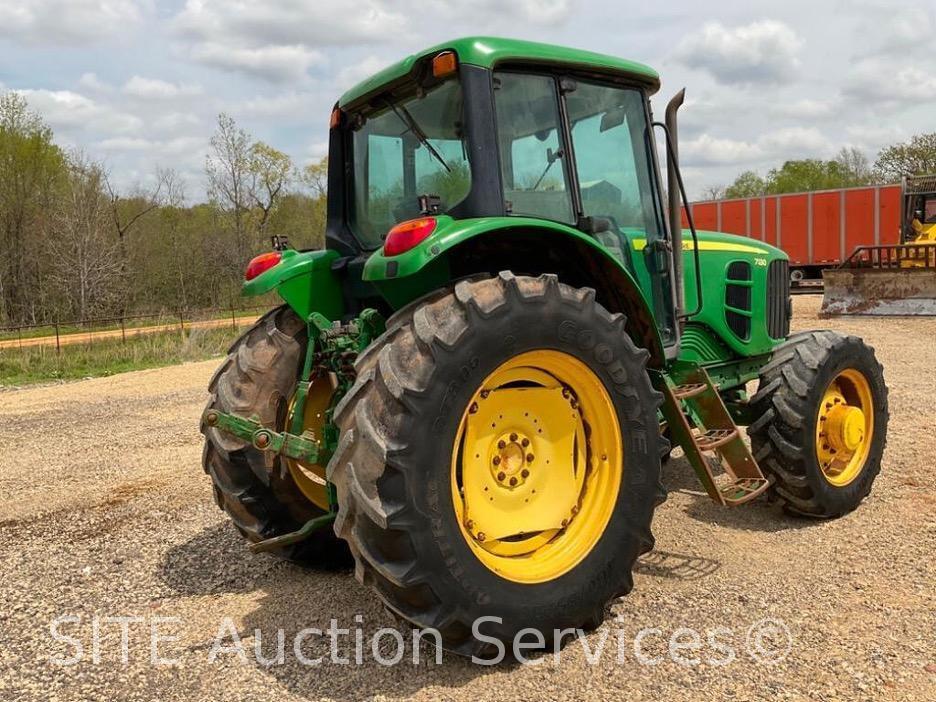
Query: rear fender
point(305, 281)
point(526, 246)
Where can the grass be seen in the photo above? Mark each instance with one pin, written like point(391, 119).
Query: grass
point(110, 356)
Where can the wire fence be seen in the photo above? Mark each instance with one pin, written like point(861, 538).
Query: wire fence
point(77, 333)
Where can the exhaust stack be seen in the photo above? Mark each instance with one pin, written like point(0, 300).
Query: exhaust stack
point(672, 191)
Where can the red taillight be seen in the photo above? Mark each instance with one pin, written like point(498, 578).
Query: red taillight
point(406, 235)
point(262, 263)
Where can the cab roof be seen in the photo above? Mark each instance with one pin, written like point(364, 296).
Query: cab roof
point(487, 52)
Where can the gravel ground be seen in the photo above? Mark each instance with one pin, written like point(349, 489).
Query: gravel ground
point(105, 512)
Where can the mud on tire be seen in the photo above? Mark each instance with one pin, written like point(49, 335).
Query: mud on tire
point(392, 468)
point(255, 489)
point(787, 402)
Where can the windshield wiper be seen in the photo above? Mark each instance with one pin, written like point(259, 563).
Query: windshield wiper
point(407, 119)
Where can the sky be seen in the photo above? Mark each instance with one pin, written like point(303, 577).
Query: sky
point(139, 83)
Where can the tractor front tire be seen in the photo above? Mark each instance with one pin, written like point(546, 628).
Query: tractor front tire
point(821, 426)
point(256, 489)
point(421, 428)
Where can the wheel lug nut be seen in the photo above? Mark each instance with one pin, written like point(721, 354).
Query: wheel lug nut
point(469, 524)
point(529, 458)
point(496, 460)
point(513, 481)
point(473, 408)
point(525, 442)
point(513, 437)
point(565, 392)
point(565, 522)
point(481, 536)
point(484, 394)
point(524, 473)
point(501, 476)
point(501, 444)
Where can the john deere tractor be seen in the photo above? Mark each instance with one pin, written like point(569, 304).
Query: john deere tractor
point(475, 383)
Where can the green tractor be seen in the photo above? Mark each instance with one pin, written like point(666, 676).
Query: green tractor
point(475, 383)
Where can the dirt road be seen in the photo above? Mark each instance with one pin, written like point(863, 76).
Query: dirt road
point(105, 512)
point(90, 337)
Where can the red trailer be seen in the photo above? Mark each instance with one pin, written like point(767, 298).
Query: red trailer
point(817, 230)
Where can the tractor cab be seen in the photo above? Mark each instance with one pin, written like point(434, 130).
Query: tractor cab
point(480, 128)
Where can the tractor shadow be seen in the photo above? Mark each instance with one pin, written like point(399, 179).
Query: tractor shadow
point(215, 563)
point(760, 515)
point(676, 566)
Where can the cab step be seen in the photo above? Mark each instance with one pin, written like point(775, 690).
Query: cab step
point(701, 424)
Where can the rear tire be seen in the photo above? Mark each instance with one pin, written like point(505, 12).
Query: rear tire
point(393, 467)
point(788, 402)
point(254, 488)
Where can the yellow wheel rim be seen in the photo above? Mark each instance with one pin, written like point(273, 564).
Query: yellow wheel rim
point(536, 466)
point(845, 427)
point(310, 479)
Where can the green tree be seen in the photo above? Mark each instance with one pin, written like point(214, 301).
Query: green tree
point(32, 168)
point(748, 184)
point(315, 177)
point(914, 157)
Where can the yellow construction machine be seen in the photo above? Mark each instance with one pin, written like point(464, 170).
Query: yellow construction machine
point(896, 279)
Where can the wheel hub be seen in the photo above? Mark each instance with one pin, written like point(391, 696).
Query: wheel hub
point(844, 427)
point(528, 439)
point(512, 460)
point(536, 466)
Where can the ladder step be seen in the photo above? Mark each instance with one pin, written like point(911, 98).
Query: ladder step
point(743, 490)
point(682, 392)
point(713, 438)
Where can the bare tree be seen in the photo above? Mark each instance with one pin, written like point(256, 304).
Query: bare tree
point(139, 203)
point(713, 192)
point(173, 200)
point(229, 179)
point(270, 173)
point(854, 166)
point(85, 261)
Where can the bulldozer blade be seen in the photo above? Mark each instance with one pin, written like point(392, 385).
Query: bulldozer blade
point(895, 292)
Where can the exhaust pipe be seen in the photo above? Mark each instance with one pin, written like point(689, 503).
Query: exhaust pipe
point(672, 191)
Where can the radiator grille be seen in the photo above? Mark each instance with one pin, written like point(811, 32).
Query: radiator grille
point(778, 299)
point(738, 296)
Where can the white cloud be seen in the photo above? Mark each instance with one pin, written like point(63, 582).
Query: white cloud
point(286, 106)
point(355, 73)
point(760, 52)
point(886, 80)
point(72, 111)
point(179, 145)
point(90, 81)
point(277, 64)
point(793, 142)
point(175, 120)
point(804, 108)
point(155, 89)
point(281, 41)
point(68, 21)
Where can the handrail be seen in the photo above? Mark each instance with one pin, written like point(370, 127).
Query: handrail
point(892, 256)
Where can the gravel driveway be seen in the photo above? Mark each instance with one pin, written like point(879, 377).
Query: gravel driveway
point(105, 513)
